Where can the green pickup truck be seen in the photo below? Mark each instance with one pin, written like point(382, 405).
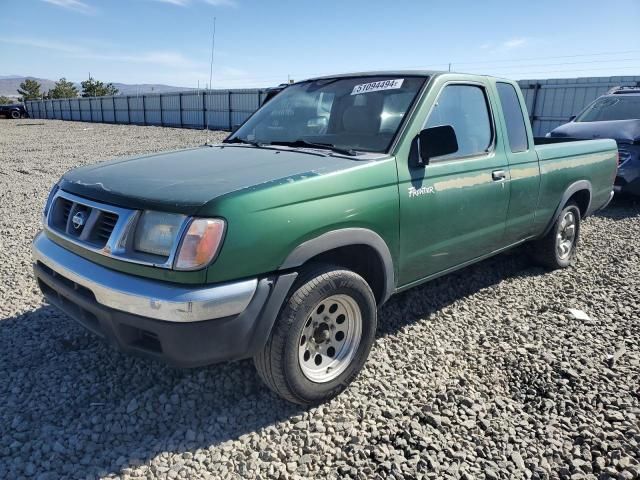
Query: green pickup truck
point(281, 243)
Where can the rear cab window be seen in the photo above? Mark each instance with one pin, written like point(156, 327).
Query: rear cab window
point(513, 117)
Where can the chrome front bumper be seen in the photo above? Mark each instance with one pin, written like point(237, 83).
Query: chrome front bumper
point(140, 296)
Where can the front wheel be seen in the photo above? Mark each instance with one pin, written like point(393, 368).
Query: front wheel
point(15, 114)
point(321, 338)
point(557, 249)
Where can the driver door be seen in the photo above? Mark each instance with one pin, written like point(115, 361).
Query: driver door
point(454, 209)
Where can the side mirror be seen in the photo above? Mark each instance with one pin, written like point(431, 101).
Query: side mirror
point(572, 118)
point(435, 142)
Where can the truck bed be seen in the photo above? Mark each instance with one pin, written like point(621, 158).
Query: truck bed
point(564, 162)
point(549, 140)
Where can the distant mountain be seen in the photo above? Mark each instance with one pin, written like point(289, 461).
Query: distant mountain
point(9, 85)
point(135, 89)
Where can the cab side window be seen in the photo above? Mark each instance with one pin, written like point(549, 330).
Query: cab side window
point(464, 107)
point(513, 117)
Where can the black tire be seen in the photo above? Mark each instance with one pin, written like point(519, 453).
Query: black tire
point(279, 364)
point(15, 114)
point(547, 251)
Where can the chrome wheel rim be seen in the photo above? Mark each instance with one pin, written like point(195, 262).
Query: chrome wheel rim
point(566, 235)
point(329, 338)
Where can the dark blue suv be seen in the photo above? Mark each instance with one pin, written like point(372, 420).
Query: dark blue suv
point(615, 115)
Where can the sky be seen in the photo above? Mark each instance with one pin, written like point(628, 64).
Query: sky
point(261, 43)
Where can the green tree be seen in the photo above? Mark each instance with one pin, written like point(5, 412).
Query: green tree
point(63, 89)
point(96, 88)
point(7, 100)
point(29, 90)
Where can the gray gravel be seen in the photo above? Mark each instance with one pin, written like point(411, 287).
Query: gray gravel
point(482, 374)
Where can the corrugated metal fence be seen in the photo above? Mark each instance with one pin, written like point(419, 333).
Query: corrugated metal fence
point(549, 102)
point(217, 109)
point(552, 102)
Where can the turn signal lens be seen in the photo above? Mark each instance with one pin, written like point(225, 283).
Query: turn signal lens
point(200, 243)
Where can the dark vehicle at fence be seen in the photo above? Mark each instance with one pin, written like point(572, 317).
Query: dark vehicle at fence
point(14, 111)
point(273, 91)
point(269, 94)
point(615, 115)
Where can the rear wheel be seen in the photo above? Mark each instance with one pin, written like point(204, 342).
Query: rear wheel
point(321, 338)
point(557, 249)
point(15, 114)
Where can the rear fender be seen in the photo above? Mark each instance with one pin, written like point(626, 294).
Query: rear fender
point(569, 192)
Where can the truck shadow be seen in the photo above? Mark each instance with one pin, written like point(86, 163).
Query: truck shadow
point(422, 301)
point(621, 207)
point(73, 404)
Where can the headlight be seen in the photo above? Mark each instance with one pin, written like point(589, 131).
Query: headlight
point(200, 243)
point(156, 232)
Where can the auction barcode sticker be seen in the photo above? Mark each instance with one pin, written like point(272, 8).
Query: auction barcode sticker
point(377, 86)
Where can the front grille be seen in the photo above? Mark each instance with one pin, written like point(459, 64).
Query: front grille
point(67, 206)
point(105, 226)
point(82, 222)
point(102, 228)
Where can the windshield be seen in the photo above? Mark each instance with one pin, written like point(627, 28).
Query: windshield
point(619, 107)
point(360, 113)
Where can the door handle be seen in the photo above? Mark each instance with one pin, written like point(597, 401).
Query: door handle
point(498, 175)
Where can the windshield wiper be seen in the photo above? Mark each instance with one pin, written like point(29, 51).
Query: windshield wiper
point(324, 146)
point(244, 140)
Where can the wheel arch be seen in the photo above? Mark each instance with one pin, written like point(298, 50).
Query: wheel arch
point(581, 192)
point(343, 243)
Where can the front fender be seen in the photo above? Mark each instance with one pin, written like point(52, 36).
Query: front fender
point(342, 238)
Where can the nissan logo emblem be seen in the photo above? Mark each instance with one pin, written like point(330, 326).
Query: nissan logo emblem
point(78, 220)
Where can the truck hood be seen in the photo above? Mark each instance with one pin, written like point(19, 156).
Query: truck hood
point(623, 131)
point(183, 181)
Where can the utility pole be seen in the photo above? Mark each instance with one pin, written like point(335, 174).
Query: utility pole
point(213, 46)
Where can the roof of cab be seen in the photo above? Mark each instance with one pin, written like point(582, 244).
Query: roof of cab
point(381, 73)
point(412, 73)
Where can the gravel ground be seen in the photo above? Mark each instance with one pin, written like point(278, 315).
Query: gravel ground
point(482, 374)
